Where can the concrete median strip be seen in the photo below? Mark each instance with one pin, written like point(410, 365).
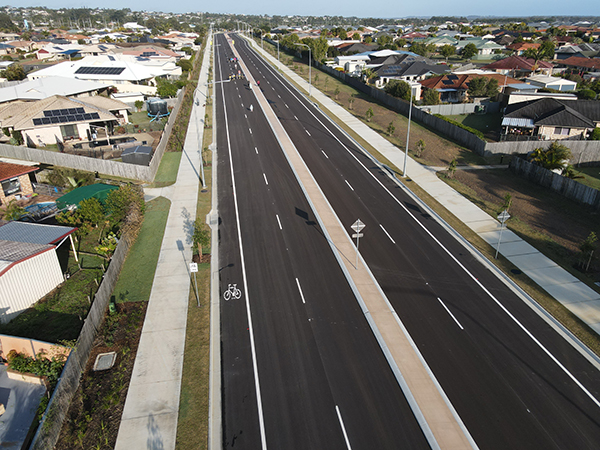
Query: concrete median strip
point(438, 419)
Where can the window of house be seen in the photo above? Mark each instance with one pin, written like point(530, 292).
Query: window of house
point(69, 131)
point(559, 130)
point(11, 186)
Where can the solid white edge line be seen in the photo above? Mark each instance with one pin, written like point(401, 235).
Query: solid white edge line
point(449, 312)
point(278, 221)
point(515, 320)
point(300, 290)
point(349, 185)
point(337, 410)
point(265, 176)
point(261, 420)
point(387, 234)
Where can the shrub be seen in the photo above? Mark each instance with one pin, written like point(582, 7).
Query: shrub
point(477, 133)
point(595, 135)
point(586, 94)
point(40, 365)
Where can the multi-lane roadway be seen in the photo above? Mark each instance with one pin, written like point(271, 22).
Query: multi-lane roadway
point(301, 367)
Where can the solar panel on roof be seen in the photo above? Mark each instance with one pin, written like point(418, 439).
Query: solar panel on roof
point(56, 112)
point(45, 120)
point(452, 77)
point(99, 70)
point(63, 119)
point(54, 119)
point(37, 121)
point(48, 113)
point(72, 110)
point(87, 116)
point(95, 116)
point(64, 112)
point(80, 111)
point(447, 82)
point(79, 117)
point(71, 119)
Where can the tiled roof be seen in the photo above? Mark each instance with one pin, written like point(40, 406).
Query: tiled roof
point(550, 111)
point(461, 82)
point(579, 61)
point(518, 63)
point(8, 170)
point(522, 46)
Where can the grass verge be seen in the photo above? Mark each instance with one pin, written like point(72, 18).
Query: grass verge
point(167, 170)
point(135, 281)
point(192, 424)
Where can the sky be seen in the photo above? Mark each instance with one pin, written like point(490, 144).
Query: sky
point(358, 8)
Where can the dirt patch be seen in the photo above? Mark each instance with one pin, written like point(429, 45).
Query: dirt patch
point(201, 259)
point(95, 412)
point(559, 225)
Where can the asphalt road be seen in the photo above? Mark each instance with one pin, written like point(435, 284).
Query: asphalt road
point(515, 382)
point(301, 368)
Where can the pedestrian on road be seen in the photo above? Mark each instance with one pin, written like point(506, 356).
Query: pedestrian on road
point(251, 108)
point(258, 83)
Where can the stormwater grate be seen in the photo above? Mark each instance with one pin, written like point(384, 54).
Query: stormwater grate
point(105, 361)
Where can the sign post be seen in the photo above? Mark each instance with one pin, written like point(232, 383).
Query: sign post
point(502, 217)
point(357, 226)
point(194, 269)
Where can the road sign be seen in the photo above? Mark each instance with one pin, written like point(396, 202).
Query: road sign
point(357, 235)
point(503, 216)
point(357, 226)
point(193, 267)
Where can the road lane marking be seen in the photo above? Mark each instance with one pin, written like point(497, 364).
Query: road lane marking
point(307, 132)
point(261, 420)
point(256, 150)
point(349, 184)
point(278, 95)
point(300, 290)
point(267, 183)
point(388, 234)
point(245, 116)
point(286, 106)
point(451, 315)
point(325, 154)
point(295, 118)
point(337, 410)
point(278, 221)
point(242, 105)
point(250, 129)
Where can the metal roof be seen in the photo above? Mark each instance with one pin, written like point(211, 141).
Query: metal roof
point(517, 122)
point(34, 233)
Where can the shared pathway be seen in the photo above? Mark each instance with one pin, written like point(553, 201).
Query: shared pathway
point(150, 415)
point(575, 295)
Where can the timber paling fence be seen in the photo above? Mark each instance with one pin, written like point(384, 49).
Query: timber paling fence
point(583, 152)
point(107, 167)
point(51, 424)
point(563, 185)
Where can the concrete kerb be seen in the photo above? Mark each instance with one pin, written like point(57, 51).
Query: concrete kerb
point(535, 306)
point(215, 429)
point(383, 345)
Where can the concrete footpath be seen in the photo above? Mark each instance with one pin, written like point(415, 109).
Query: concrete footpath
point(560, 284)
point(440, 423)
point(152, 406)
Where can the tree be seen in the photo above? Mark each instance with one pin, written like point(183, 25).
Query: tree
point(401, 42)
point(478, 87)
point(91, 211)
point(6, 24)
point(368, 40)
point(336, 92)
point(369, 114)
point(14, 72)
point(452, 168)
point(420, 48)
point(543, 52)
point(343, 35)
point(595, 134)
point(14, 211)
point(120, 201)
point(431, 97)
point(447, 50)
point(469, 51)
point(553, 158)
point(492, 89)
point(356, 37)
point(391, 128)
point(185, 64)
point(399, 89)
point(586, 94)
point(139, 104)
point(420, 147)
point(588, 247)
point(201, 236)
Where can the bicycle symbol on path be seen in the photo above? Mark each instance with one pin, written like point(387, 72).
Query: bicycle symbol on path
point(232, 292)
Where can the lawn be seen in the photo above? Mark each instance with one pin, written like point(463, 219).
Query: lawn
point(591, 176)
point(167, 171)
point(135, 281)
point(488, 124)
point(59, 315)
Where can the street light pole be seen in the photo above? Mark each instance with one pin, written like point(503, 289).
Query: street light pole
point(408, 132)
point(309, 68)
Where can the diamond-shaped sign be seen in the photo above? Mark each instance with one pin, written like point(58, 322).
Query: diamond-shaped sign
point(503, 216)
point(357, 226)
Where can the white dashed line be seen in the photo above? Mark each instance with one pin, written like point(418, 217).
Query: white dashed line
point(337, 410)
point(286, 106)
point(325, 154)
point(256, 150)
point(266, 182)
point(278, 221)
point(250, 129)
point(307, 132)
point(451, 315)
point(300, 290)
point(295, 118)
point(245, 116)
point(278, 95)
point(349, 184)
point(388, 234)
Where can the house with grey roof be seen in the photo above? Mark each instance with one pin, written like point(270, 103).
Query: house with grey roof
point(552, 119)
point(41, 88)
point(29, 264)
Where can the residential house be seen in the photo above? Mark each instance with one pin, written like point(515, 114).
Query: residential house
point(30, 265)
point(551, 119)
point(453, 88)
point(440, 41)
point(519, 67)
point(6, 49)
point(352, 48)
point(518, 48)
point(17, 182)
point(409, 71)
point(558, 84)
point(484, 47)
point(580, 64)
point(41, 88)
point(58, 119)
point(54, 52)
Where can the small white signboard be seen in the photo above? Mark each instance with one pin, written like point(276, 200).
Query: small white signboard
point(193, 267)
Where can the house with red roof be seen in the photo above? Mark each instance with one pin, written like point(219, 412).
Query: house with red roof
point(519, 67)
point(519, 47)
point(581, 64)
point(16, 181)
point(453, 87)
